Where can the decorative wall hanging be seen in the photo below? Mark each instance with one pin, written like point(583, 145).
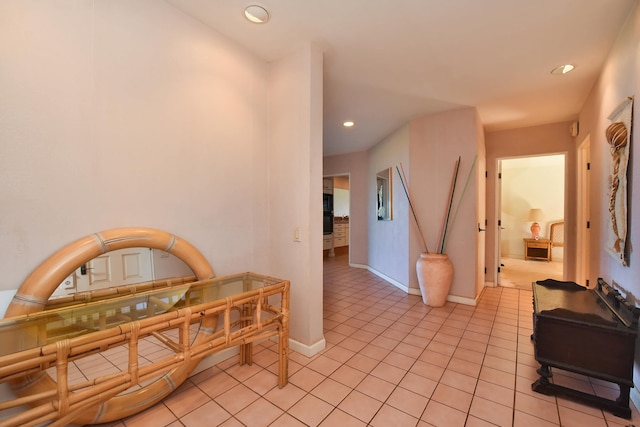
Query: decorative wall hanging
point(618, 135)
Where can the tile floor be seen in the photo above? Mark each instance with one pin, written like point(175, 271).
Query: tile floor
point(390, 361)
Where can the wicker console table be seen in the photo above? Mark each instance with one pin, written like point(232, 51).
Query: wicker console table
point(226, 311)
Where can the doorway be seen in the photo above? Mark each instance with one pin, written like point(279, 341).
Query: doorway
point(337, 239)
point(531, 207)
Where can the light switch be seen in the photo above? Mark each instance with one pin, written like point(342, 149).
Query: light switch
point(296, 234)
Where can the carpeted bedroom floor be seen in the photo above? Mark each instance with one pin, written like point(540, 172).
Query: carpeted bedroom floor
point(518, 273)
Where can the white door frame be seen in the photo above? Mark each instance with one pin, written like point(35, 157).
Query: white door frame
point(498, 215)
point(583, 212)
point(498, 209)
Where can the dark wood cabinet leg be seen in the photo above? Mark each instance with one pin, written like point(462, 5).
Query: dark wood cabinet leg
point(541, 385)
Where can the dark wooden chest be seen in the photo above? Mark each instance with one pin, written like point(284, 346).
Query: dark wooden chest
point(586, 331)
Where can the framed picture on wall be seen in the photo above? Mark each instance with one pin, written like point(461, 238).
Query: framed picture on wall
point(383, 195)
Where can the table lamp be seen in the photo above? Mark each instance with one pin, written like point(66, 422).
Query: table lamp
point(535, 215)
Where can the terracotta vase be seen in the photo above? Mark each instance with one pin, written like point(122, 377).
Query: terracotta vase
point(435, 274)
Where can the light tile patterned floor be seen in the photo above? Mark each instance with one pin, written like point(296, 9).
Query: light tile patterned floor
point(390, 361)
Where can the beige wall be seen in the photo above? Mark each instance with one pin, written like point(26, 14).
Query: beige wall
point(121, 114)
point(118, 113)
point(295, 189)
point(620, 78)
point(436, 142)
point(388, 240)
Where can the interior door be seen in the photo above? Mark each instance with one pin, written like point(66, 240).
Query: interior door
point(499, 227)
point(583, 213)
point(116, 268)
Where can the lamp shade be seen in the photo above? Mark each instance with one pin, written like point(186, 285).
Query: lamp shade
point(535, 215)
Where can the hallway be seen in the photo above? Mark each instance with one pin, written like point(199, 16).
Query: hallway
point(390, 361)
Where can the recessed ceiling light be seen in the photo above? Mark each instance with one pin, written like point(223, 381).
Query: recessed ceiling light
point(256, 14)
point(562, 69)
point(348, 124)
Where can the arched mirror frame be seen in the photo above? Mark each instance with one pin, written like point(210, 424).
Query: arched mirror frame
point(33, 294)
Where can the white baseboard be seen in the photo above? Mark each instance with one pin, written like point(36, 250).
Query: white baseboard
point(411, 291)
point(635, 398)
point(215, 358)
point(221, 356)
point(414, 291)
point(366, 267)
point(5, 299)
point(463, 300)
point(394, 282)
point(308, 350)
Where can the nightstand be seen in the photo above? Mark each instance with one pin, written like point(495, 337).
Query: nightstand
point(537, 249)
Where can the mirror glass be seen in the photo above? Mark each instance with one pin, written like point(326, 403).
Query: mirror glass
point(129, 266)
point(383, 193)
point(122, 267)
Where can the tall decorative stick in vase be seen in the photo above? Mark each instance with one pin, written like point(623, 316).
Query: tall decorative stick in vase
point(435, 270)
point(403, 179)
point(464, 190)
point(443, 232)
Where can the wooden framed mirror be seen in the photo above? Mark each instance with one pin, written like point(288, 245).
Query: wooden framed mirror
point(34, 293)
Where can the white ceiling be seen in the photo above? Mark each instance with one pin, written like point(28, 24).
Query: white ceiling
point(388, 61)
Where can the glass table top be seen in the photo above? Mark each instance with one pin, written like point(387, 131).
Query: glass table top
point(38, 329)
